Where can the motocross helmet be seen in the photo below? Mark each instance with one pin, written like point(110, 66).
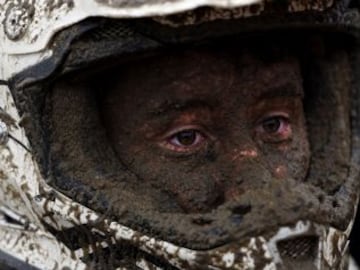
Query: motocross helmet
point(67, 201)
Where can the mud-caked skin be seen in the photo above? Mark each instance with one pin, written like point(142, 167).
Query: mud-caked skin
point(206, 127)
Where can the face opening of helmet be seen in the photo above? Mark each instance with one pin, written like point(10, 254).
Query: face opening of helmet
point(208, 144)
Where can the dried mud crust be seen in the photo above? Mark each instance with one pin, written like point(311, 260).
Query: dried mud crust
point(88, 167)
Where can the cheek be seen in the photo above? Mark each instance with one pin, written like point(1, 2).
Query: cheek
point(290, 160)
point(300, 152)
point(193, 185)
point(194, 188)
point(301, 157)
point(201, 194)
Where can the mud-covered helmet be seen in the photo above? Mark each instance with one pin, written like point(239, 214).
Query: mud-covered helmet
point(57, 164)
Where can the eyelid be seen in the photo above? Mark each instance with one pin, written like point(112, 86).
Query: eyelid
point(178, 150)
point(176, 130)
point(272, 114)
point(277, 137)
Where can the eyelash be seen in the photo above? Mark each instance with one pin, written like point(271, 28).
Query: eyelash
point(282, 133)
point(198, 137)
point(172, 139)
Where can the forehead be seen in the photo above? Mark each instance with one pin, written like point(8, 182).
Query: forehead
point(208, 73)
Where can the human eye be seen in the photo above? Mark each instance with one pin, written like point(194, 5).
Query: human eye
point(274, 127)
point(184, 139)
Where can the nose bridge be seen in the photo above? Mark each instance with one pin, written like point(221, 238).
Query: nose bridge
point(247, 162)
point(244, 153)
point(242, 149)
point(247, 169)
point(247, 155)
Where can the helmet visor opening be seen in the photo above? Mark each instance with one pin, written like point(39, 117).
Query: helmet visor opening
point(201, 145)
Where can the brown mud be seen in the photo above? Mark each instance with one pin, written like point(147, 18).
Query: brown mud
point(111, 136)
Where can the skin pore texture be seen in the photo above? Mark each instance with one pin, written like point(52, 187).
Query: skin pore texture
point(205, 127)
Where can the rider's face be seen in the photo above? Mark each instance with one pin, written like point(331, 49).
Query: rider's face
point(205, 127)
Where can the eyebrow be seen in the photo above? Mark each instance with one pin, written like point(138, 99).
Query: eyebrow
point(178, 105)
point(284, 90)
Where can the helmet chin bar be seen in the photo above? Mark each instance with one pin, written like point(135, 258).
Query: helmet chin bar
point(304, 244)
point(330, 246)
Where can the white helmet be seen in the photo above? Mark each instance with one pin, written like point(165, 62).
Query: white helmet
point(54, 217)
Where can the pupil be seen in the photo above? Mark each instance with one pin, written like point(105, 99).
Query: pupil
point(271, 125)
point(186, 137)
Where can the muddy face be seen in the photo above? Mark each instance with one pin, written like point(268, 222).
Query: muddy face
point(203, 127)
